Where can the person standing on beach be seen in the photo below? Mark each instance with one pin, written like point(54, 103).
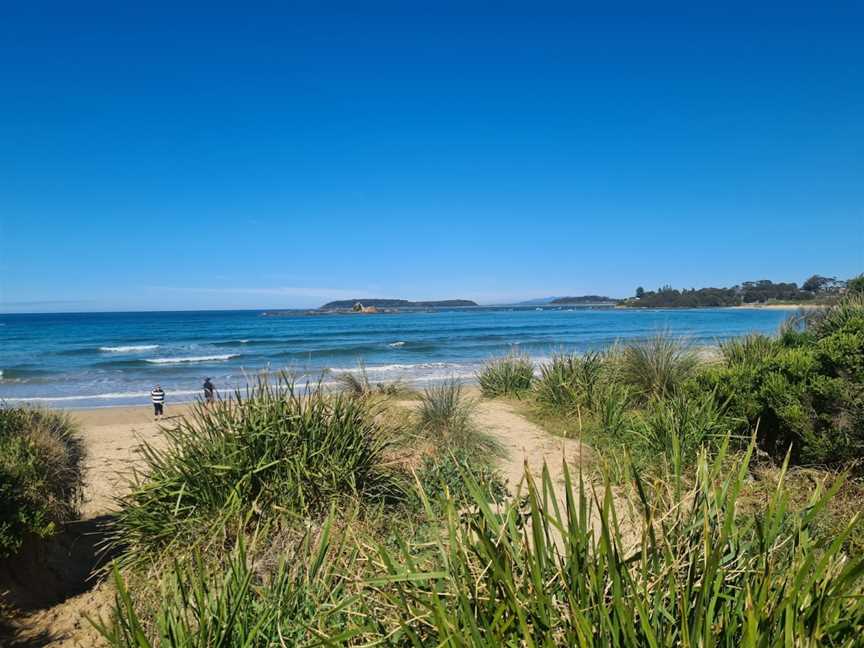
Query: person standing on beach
point(157, 396)
point(209, 391)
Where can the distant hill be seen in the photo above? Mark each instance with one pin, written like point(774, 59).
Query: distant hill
point(584, 299)
point(343, 304)
point(535, 302)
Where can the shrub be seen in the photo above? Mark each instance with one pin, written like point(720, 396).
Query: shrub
point(612, 402)
point(41, 460)
point(276, 451)
point(445, 415)
point(507, 376)
point(808, 395)
point(656, 367)
point(550, 569)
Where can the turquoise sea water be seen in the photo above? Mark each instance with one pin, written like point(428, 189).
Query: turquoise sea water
point(99, 359)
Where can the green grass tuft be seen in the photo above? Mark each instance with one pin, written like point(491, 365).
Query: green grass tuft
point(276, 451)
point(511, 375)
point(657, 366)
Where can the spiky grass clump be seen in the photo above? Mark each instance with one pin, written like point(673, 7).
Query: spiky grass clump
point(276, 451)
point(677, 427)
point(748, 350)
point(357, 384)
point(511, 375)
point(657, 366)
point(703, 573)
point(445, 415)
point(203, 605)
point(41, 459)
point(569, 381)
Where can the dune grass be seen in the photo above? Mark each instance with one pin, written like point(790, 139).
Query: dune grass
point(656, 367)
point(570, 381)
point(41, 458)
point(700, 575)
point(277, 451)
point(510, 375)
point(445, 416)
point(547, 570)
point(357, 384)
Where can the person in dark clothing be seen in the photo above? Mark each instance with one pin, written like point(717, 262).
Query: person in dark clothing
point(157, 396)
point(209, 391)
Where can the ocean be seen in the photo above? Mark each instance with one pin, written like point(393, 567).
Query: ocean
point(103, 359)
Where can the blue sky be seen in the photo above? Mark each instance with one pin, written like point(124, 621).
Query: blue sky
point(284, 154)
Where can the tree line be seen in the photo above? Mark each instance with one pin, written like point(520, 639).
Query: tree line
point(816, 289)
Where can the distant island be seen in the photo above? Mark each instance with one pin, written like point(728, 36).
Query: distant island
point(364, 305)
point(583, 299)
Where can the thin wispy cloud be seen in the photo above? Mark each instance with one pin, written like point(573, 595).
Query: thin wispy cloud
point(274, 291)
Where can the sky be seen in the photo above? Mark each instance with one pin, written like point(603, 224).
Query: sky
point(246, 155)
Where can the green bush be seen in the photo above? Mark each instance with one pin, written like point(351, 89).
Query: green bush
point(508, 376)
point(41, 460)
point(807, 393)
point(278, 451)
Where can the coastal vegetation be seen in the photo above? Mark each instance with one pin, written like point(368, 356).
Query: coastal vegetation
point(40, 475)
point(507, 376)
point(582, 299)
point(816, 289)
point(237, 462)
point(718, 506)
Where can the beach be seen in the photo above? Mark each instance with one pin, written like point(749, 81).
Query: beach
point(111, 437)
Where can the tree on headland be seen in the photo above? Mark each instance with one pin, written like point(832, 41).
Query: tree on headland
point(640, 291)
point(856, 285)
point(820, 284)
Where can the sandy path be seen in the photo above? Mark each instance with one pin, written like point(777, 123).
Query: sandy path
point(54, 601)
point(526, 443)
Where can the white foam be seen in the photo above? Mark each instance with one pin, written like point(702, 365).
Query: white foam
point(129, 349)
point(108, 396)
point(397, 367)
point(396, 344)
point(210, 358)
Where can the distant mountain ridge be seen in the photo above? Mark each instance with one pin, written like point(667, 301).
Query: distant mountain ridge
point(342, 304)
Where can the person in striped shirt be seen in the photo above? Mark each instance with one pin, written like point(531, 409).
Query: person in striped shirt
point(157, 396)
